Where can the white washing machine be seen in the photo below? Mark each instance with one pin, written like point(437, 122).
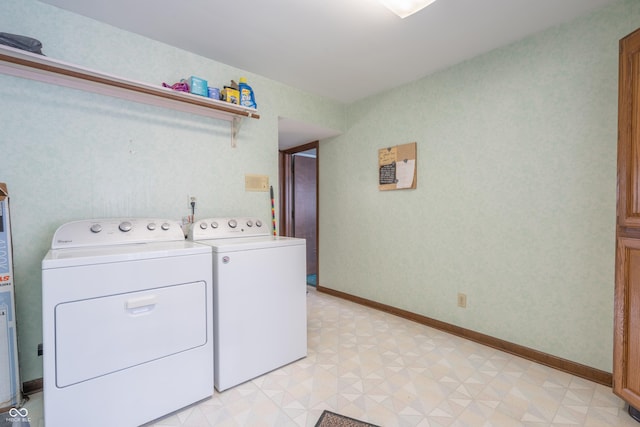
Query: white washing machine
point(127, 308)
point(259, 305)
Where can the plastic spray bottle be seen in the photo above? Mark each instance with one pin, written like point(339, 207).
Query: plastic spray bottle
point(247, 98)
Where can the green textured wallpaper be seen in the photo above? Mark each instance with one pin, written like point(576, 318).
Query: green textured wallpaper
point(67, 154)
point(515, 204)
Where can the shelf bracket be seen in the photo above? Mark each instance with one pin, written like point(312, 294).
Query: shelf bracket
point(236, 122)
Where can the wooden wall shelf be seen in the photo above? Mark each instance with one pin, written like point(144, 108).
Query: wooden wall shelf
point(19, 63)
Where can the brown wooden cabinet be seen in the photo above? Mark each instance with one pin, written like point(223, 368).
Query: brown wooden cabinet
point(626, 357)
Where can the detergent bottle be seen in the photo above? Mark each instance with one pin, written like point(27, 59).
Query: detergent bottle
point(247, 98)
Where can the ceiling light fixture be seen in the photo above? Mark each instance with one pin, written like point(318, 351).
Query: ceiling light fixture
point(404, 8)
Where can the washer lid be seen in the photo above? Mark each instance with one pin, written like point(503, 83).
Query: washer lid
point(251, 243)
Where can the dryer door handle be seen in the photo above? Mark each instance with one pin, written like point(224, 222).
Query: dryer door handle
point(141, 305)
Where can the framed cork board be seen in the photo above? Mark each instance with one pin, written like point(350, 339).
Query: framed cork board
point(397, 167)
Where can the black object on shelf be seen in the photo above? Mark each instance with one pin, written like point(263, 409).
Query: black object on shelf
point(21, 42)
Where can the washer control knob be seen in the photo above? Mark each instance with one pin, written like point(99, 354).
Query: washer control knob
point(96, 228)
point(249, 223)
point(214, 224)
point(203, 225)
point(165, 226)
point(125, 226)
point(258, 223)
point(151, 226)
point(233, 223)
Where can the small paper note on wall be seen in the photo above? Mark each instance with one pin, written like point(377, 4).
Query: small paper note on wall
point(397, 167)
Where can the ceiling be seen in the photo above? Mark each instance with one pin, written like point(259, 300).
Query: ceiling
point(345, 50)
point(292, 133)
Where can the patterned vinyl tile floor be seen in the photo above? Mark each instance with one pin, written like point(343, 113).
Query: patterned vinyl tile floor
point(388, 371)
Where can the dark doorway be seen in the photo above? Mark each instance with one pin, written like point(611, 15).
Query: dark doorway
point(299, 200)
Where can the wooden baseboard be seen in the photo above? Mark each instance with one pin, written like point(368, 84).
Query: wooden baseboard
point(33, 386)
point(577, 369)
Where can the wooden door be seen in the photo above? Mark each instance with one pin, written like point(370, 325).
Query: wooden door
point(626, 363)
point(299, 198)
point(305, 206)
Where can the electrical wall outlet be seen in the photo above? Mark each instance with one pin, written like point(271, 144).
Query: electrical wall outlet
point(190, 199)
point(462, 300)
point(256, 182)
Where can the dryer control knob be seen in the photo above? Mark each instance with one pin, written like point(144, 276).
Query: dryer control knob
point(203, 225)
point(151, 226)
point(258, 223)
point(214, 224)
point(125, 226)
point(233, 223)
point(96, 228)
point(249, 223)
point(165, 226)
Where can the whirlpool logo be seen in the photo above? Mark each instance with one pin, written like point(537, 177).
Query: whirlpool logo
point(18, 415)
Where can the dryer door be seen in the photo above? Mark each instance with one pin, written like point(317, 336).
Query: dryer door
point(98, 336)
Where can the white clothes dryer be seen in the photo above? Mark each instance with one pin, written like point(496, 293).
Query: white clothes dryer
point(259, 303)
point(127, 308)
